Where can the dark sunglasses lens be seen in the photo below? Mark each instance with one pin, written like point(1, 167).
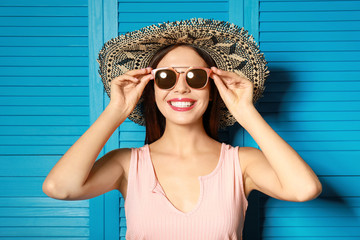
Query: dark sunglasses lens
point(196, 78)
point(165, 79)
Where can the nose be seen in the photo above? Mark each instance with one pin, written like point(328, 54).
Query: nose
point(181, 85)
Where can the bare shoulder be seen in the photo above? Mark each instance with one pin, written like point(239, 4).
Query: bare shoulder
point(116, 159)
point(248, 155)
point(106, 175)
point(249, 159)
point(120, 156)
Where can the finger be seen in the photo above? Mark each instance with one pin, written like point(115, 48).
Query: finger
point(222, 72)
point(144, 81)
point(142, 71)
point(125, 77)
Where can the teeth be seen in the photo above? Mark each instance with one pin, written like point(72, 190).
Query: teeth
point(182, 104)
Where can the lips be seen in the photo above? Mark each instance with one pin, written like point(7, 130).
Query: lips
point(182, 104)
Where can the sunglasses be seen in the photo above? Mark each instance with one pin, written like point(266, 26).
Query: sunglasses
point(166, 78)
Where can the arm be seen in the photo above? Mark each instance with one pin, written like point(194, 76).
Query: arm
point(276, 169)
point(76, 175)
point(70, 178)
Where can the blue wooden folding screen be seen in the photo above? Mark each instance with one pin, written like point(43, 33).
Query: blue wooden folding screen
point(312, 100)
point(50, 93)
point(44, 108)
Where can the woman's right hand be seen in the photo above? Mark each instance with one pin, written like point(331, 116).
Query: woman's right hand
point(126, 89)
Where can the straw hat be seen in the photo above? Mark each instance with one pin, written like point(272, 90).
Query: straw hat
point(229, 45)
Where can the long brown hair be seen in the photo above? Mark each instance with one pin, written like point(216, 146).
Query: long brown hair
point(155, 121)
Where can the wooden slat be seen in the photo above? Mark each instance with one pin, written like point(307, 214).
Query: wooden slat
point(311, 222)
point(45, 71)
point(172, 7)
point(42, 3)
point(45, 101)
point(311, 96)
point(42, 41)
point(44, 120)
point(308, 106)
point(44, 110)
point(45, 91)
point(308, 36)
point(43, 202)
point(150, 17)
point(308, 26)
point(312, 56)
point(309, 16)
point(44, 81)
point(45, 232)
point(44, 61)
point(298, 6)
point(305, 232)
point(42, 130)
point(283, 125)
point(43, 31)
point(319, 86)
point(43, 21)
point(279, 75)
point(281, 46)
point(22, 11)
point(44, 51)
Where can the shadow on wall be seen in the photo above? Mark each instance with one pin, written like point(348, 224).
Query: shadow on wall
point(315, 213)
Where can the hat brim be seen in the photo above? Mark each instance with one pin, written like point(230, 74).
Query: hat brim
point(229, 45)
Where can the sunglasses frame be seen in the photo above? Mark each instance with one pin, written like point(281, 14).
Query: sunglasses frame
point(207, 70)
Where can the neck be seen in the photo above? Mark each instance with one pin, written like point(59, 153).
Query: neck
point(184, 139)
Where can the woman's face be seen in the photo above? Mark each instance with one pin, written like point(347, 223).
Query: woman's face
point(174, 103)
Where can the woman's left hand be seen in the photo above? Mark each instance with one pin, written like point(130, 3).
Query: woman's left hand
point(235, 91)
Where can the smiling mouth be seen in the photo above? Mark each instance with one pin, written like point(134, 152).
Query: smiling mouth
point(182, 104)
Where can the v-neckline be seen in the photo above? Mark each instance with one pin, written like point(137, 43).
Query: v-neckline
point(157, 188)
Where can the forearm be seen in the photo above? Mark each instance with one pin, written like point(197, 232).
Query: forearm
point(72, 170)
point(294, 174)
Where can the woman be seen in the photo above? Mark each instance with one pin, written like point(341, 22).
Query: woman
point(183, 184)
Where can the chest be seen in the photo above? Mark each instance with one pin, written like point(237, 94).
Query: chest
point(180, 182)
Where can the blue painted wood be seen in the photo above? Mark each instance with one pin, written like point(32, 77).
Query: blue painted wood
point(43, 41)
point(313, 86)
point(150, 17)
point(43, 53)
point(96, 29)
point(112, 203)
point(309, 26)
point(309, 46)
point(68, 51)
point(309, 6)
point(306, 16)
point(312, 238)
point(43, 21)
point(53, 3)
point(22, 11)
point(236, 12)
point(40, 31)
point(173, 7)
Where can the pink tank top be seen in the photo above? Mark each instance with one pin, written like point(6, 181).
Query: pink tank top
point(219, 213)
